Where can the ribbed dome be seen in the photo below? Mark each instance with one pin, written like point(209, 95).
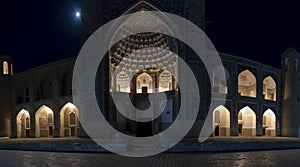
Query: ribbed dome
point(142, 51)
point(145, 50)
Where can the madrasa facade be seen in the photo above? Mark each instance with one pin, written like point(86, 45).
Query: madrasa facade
point(260, 100)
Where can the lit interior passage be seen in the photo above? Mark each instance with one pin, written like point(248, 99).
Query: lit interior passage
point(247, 122)
point(144, 82)
point(44, 122)
point(69, 123)
point(220, 75)
point(23, 124)
point(247, 84)
point(269, 89)
point(221, 121)
point(269, 123)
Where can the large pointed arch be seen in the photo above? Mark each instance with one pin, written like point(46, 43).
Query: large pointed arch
point(69, 123)
point(247, 84)
point(221, 121)
point(247, 122)
point(269, 123)
point(23, 123)
point(44, 122)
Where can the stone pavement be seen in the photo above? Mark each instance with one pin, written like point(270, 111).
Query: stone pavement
point(280, 158)
point(213, 144)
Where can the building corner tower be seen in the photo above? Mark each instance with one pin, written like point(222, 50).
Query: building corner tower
point(291, 93)
point(6, 94)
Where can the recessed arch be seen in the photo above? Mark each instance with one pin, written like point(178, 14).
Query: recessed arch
point(247, 122)
point(269, 88)
point(221, 121)
point(44, 122)
point(165, 81)
point(23, 123)
point(144, 81)
point(247, 84)
point(122, 82)
point(69, 123)
point(220, 80)
point(269, 123)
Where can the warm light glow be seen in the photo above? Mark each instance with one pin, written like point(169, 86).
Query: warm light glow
point(5, 68)
point(122, 82)
point(269, 89)
point(44, 122)
point(23, 123)
point(144, 80)
point(247, 84)
point(247, 120)
point(165, 81)
point(69, 122)
point(221, 120)
point(269, 123)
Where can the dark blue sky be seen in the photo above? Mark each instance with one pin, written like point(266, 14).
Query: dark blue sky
point(39, 32)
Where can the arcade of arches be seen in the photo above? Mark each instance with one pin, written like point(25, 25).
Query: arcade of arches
point(44, 122)
point(246, 122)
point(247, 86)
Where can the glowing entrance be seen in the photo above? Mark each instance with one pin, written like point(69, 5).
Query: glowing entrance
point(44, 122)
point(23, 123)
point(144, 82)
point(247, 122)
point(69, 120)
point(269, 123)
point(221, 121)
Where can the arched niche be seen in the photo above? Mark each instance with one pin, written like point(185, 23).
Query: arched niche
point(247, 84)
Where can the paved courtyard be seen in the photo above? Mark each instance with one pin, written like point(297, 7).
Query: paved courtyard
point(215, 144)
point(278, 158)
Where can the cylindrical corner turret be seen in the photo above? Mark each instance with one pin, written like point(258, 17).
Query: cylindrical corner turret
point(291, 93)
point(6, 96)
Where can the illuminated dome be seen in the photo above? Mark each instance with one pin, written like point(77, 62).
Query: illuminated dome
point(148, 53)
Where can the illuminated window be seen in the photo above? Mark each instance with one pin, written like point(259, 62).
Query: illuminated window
point(72, 119)
point(5, 68)
point(50, 117)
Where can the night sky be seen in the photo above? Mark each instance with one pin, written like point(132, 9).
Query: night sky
point(38, 32)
